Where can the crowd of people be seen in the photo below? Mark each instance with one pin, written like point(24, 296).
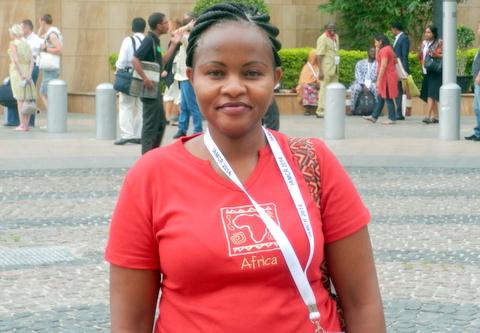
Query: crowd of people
point(30, 53)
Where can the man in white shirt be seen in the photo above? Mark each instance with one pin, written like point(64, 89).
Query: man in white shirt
point(130, 108)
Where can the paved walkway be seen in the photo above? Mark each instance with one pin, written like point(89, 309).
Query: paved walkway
point(57, 192)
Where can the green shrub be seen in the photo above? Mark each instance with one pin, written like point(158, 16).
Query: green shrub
point(112, 59)
point(201, 5)
point(294, 59)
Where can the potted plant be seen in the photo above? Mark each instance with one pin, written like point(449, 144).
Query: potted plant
point(465, 39)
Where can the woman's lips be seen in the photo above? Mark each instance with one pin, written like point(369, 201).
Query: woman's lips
point(234, 108)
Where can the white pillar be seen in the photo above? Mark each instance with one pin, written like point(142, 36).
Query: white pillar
point(57, 106)
point(105, 110)
point(335, 112)
point(449, 113)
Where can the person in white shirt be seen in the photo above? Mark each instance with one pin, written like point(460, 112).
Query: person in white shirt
point(35, 42)
point(130, 108)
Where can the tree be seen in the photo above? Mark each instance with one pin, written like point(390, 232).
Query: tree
point(201, 5)
point(361, 20)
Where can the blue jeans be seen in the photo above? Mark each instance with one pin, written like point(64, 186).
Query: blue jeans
point(476, 109)
point(390, 107)
point(189, 106)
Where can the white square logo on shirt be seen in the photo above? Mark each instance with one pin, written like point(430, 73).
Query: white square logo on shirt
point(245, 231)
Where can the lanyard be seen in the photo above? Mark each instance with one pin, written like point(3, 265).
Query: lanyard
point(299, 276)
point(315, 74)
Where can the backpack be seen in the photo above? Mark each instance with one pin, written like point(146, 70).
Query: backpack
point(365, 104)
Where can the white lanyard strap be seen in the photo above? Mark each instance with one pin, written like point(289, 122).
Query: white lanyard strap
point(298, 275)
point(315, 74)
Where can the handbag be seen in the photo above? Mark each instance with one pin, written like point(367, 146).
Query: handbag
point(29, 106)
point(123, 80)
point(152, 71)
point(411, 87)
point(433, 64)
point(401, 72)
point(48, 61)
point(306, 160)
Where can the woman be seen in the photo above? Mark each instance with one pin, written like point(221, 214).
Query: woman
point(432, 80)
point(52, 44)
point(171, 96)
point(185, 225)
point(20, 71)
point(307, 87)
point(387, 80)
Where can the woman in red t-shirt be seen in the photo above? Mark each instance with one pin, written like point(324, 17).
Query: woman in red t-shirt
point(387, 80)
point(185, 228)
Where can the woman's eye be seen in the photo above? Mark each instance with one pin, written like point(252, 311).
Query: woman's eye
point(215, 74)
point(253, 74)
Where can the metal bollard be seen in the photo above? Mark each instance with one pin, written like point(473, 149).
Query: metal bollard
point(105, 109)
point(57, 106)
point(449, 112)
point(335, 112)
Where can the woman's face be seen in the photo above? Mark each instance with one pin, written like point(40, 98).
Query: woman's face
point(377, 43)
point(428, 34)
point(233, 76)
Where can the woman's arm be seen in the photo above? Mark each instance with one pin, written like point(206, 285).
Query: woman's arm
point(133, 299)
point(57, 47)
point(352, 269)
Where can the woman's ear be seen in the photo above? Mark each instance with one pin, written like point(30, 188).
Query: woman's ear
point(278, 74)
point(190, 74)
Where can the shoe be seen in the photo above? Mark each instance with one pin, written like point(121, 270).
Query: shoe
point(472, 137)
point(318, 115)
point(370, 118)
point(434, 121)
point(173, 123)
point(135, 141)
point(401, 118)
point(179, 134)
point(426, 120)
point(121, 142)
point(388, 122)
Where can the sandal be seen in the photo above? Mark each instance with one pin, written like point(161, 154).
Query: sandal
point(434, 121)
point(426, 120)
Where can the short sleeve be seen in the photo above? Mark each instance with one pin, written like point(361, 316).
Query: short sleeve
point(343, 212)
point(144, 49)
point(132, 243)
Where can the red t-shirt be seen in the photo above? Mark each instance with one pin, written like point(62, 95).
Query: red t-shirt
point(222, 270)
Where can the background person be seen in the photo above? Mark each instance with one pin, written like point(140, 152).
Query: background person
point(401, 47)
point(365, 79)
point(154, 121)
point(181, 225)
point(130, 107)
point(307, 88)
point(476, 99)
point(52, 43)
point(188, 102)
point(20, 71)
point(35, 42)
point(171, 95)
point(328, 59)
point(432, 46)
point(386, 80)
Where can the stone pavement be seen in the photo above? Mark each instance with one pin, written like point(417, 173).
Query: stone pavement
point(57, 192)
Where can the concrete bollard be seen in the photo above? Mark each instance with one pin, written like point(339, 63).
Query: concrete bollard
point(335, 112)
point(449, 112)
point(105, 110)
point(57, 106)
point(5, 115)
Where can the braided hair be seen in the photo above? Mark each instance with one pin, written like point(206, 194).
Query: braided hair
point(225, 12)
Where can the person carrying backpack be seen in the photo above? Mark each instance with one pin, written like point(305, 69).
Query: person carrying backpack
point(130, 107)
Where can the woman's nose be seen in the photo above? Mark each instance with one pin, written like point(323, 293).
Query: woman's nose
point(234, 86)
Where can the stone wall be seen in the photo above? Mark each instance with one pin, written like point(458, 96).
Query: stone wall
point(93, 29)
